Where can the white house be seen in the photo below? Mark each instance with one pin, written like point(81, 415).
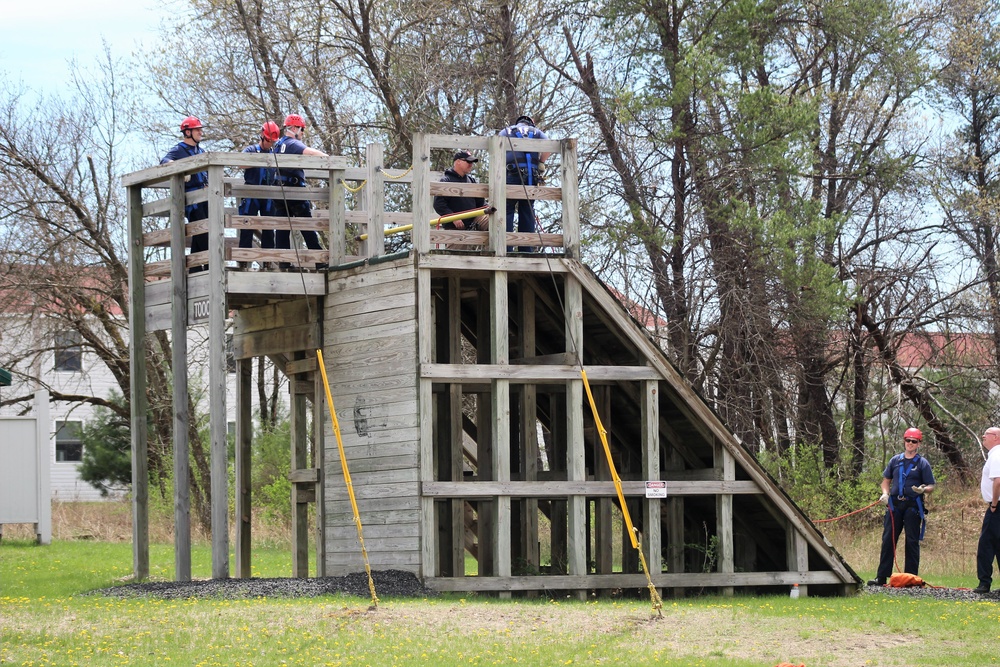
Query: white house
point(59, 362)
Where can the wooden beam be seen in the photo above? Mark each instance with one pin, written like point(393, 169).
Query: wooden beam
point(217, 379)
point(649, 409)
point(625, 581)
point(137, 389)
point(244, 445)
point(581, 487)
point(535, 374)
point(476, 263)
point(570, 198)
point(179, 363)
point(575, 451)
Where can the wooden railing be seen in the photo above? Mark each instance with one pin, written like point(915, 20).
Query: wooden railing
point(158, 199)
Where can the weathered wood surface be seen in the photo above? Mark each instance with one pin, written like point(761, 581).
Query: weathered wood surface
point(543, 489)
point(461, 237)
point(638, 581)
point(535, 373)
point(369, 326)
point(158, 175)
point(482, 190)
point(461, 264)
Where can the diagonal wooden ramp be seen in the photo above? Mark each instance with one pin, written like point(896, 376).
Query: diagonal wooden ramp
point(457, 384)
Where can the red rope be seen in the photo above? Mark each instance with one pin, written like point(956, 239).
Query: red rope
point(844, 516)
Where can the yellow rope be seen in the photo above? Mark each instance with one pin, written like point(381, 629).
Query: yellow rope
point(357, 189)
point(388, 175)
point(654, 597)
point(347, 476)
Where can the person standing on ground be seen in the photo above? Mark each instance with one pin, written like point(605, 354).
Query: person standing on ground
point(906, 481)
point(192, 132)
point(291, 144)
point(460, 172)
point(523, 170)
point(989, 536)
point(269, 134)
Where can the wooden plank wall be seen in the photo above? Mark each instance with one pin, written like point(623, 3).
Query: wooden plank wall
point(370, 349)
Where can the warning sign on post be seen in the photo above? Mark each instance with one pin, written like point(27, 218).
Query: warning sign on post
point(656, 489)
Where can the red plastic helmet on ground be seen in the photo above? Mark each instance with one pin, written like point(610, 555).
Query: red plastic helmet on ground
point(190, 123)
point(294, 120)
point(913, 433)
point(270, 131)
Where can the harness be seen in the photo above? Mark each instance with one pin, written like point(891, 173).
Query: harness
point(902, 472)
point(291, 177)
point(256, 176)
point(528, 163)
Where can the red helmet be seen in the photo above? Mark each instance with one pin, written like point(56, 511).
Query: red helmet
point(190, 123)
point(294, 120)
point(913, 433)
point(270, 131)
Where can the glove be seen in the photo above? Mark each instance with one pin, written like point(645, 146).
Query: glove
point(919, 489)
point(540, 172)
point(884, 498)
point(481, 223)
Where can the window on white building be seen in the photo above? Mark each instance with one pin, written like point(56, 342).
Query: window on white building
point(69, 446)
point(69, 353)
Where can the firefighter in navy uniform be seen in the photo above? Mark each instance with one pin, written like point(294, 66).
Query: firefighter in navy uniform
point(906, 481)
point(192, 132)
point(524, 169)
point(269, 134)
point(291, 144)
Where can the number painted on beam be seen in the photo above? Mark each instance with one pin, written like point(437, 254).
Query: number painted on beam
point(199, 310)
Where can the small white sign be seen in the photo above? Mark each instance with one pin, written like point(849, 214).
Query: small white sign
point(656, 489)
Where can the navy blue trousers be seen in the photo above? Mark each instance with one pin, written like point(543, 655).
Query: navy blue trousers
point(906, 516)
point(989, 547)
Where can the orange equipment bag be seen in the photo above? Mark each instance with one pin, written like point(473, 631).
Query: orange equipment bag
point(905, 580)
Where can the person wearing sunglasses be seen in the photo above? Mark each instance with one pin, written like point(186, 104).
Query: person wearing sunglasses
point(906, 481)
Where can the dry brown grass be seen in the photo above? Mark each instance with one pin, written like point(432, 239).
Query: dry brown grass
point(111, 521)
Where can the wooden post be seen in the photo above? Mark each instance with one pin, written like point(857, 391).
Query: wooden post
point(137, 377)
point(421, 233)
point(300, 510)
point(529, 434)
point(484, 439)
point(650, 415)
point(603, 532)
point(500, 418)
point(797, 550)
point(217, 376)
point(374, 194)
point(43, 453)
point(425, 398)
point(457, 433)
point(319, 464)
point(244, 443)
point(726, 465)
point(182, 418)
point(570, 199)
point(498, 196)
point(575, 454)
point(675, 523)
point(337, 237)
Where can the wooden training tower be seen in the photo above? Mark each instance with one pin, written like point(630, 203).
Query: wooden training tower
point(454, 367)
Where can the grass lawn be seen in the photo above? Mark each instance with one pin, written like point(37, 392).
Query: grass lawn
point(46, 619)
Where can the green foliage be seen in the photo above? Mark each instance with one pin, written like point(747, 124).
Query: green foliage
point(271, 464)
point(819, 491)
point(107, 448)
